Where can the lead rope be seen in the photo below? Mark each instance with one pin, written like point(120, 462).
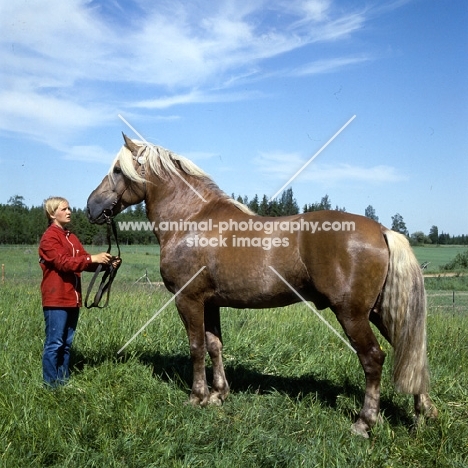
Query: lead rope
point(109, 274)
point(111, 271)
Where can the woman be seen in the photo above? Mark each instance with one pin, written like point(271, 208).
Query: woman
point(62, 259)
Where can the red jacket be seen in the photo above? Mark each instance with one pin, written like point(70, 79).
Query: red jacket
point(62, 259)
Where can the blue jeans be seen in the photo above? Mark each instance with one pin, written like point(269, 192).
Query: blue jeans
point(60, 326)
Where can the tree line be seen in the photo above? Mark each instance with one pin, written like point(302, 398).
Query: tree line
point(20, 224)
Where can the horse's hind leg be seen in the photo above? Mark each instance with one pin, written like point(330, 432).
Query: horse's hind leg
point(214, 345)
point(423, 405)
point(370, 355)
point(376, 319)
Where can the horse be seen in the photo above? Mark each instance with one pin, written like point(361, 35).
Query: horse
point(216, 253)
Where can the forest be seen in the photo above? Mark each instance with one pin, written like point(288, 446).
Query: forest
point(20, 224)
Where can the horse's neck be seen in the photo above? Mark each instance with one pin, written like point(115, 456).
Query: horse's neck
point(174, 200)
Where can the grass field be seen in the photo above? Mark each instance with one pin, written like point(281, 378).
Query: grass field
point(296, 388)
point(437, 256)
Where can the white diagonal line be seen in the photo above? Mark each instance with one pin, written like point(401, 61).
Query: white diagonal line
point(160, 310)
point(132, 128)
point(193, 188)
point(184, 181)
point(151, 148)
point(312, 158)
point(313, 310)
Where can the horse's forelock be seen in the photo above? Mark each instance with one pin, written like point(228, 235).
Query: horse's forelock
point(125, 159)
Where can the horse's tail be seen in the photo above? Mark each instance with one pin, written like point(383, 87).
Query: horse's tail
point(403, 309)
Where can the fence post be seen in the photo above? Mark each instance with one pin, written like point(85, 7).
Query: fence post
point(3, 273)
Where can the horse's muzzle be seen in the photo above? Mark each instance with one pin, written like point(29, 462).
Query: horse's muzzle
point(98, 216)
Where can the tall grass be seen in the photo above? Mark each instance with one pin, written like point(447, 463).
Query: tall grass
point(296, 389)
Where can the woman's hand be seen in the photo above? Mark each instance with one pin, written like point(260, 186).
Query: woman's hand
point(103, 257)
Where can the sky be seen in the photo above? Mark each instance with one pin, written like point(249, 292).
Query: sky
point(249, 91)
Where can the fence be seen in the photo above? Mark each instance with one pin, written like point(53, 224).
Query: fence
point(450, 301)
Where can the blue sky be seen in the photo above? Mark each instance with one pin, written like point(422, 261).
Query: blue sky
point(249, 91)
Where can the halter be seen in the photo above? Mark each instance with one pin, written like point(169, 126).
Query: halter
point(141, 159)
point(111, 272)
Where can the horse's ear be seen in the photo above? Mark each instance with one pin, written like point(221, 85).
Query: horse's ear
point(130, 144)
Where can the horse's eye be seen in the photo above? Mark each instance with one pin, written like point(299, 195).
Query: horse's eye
point(117, 170)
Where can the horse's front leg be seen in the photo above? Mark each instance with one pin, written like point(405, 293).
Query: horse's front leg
point(214, 345)
point(192, 314)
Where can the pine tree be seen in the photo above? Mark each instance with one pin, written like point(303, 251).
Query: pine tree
point(288, 203)
point(264, 206)
point(253, 204)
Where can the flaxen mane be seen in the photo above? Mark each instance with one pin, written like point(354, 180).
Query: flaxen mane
point(163, 162)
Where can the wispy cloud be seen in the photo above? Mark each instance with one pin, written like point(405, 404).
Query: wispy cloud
point(276, 164)
point(346, 172)
point(46, 117)
point(63, 61)
point(327, 65)
point(195, 97)
point(280, 166)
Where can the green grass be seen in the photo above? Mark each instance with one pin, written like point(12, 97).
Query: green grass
point(438, 256)
point(22, 261)
point(296, 388)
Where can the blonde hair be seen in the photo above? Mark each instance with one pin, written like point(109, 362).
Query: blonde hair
point(51, 205)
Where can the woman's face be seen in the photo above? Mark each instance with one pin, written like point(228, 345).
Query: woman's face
point(62, 215)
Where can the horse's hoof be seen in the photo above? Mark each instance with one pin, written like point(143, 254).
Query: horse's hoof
point(196, 401)
point(359, 428)
point(191, 402)
point(434, 413)
point(426, 408)
point(431, 411)
point(215, 400)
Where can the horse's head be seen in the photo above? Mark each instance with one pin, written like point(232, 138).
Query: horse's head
point(123, 186)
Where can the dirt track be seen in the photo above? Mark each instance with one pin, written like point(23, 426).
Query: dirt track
point(444, 275)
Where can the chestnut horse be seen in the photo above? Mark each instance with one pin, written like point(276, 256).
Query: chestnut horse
point(217, 253)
